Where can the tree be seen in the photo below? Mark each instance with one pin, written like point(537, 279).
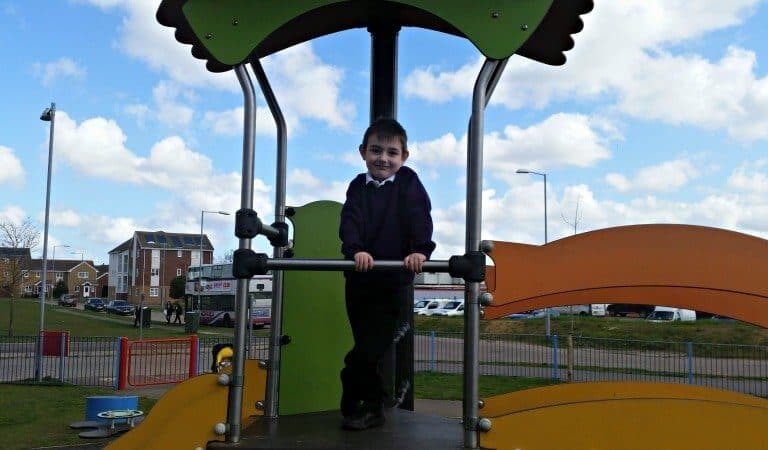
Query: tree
point(60, 289)
point(13, 266)
point(176, 290)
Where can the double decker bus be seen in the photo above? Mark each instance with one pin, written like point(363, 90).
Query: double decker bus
point(216, 288)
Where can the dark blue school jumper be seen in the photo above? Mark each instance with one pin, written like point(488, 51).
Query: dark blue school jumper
point(389, 222)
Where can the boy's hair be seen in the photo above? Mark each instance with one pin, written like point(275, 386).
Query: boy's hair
point(386, 129)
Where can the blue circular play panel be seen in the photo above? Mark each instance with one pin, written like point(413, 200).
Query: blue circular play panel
point(100, 403)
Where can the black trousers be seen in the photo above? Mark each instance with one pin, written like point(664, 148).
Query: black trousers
point(373, 313)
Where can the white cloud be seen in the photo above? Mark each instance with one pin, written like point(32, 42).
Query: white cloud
point(169, 110)
point(560, 140)
point(750, 177)
point(63, 67)
point(139, 111)
point(13, 171)
point(621, 55)
point(13, 214)
point(664, 177)
point(66, 218)
point(230, 122)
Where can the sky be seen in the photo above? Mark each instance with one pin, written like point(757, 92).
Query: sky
point(660, 115)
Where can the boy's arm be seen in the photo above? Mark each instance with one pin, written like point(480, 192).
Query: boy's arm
point(351, 225)
point(420, 215)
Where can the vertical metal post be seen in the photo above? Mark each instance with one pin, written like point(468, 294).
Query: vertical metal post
point(52, 117)
point(63, 336)
point(397, 364)
point(235, 399)
point(690, 362)
point(473, 228)
point(200, 272)
point(555, 362)
point(276, 315)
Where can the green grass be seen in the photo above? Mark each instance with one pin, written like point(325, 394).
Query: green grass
point(36, 416)
point(705, 330)
point(87, 323)
point(442, 386)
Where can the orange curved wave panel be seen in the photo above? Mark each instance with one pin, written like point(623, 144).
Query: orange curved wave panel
point(707, 269)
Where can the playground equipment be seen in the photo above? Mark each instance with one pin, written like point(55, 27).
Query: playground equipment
point(289, 401)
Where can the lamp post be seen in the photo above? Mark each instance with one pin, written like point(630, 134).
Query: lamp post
point(48, 115)
point(53, 264)
point(546, 239)
point(78, 252)
point(200, 272)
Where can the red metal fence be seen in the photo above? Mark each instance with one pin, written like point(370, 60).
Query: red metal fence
point(157, 361)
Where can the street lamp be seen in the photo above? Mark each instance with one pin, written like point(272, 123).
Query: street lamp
point(48, 115)
point(53, 265)
point(79, 252)
point(545, 222)
point(200, 272)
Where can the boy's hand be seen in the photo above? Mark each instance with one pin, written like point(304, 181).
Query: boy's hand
point(415, 261)
point(363, 261)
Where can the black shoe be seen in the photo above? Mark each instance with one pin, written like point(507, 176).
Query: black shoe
point(363, 420)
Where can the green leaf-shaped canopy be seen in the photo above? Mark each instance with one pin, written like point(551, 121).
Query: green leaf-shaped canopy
point(228, 32)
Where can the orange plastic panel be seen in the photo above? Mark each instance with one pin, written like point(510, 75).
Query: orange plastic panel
point(686, 266)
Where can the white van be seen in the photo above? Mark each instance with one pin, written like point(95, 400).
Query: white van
point(598, 309)
point(667, 314)
point(451, 308)
point(576, 310)
point(427, 307)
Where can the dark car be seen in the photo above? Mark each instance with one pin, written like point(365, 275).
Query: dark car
point(95, 304)
point(120, 307)
point(68, 300)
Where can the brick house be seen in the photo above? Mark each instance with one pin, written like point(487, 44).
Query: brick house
point(13, 263)
point(79, 276)
point(102, 280)
point(148, 262)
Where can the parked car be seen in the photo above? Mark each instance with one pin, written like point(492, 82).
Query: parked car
point(95, 304)
point(452, 308)
point(535, 314)
point(667, 314)
point(68, 300)
point(577, 310)
point(120, 307)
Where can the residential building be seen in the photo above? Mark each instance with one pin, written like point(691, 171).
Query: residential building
point(102, 280)
point(145, 264)
point(13, 263)
point(79, 276)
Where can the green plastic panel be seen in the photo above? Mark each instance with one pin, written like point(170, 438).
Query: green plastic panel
point(231, 29)
point(314, 316)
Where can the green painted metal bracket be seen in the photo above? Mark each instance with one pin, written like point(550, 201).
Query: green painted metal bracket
point(228, 32)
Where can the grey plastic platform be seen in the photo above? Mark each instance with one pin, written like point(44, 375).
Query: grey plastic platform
point(403, 430)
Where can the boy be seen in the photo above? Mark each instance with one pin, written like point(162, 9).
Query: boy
point(386, 216)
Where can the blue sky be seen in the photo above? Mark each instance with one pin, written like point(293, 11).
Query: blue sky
point(659, 116)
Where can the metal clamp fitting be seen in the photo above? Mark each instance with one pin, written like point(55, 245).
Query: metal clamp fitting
point(470, 266)
point(247, 223)
point(247, 263)
point(281, 240)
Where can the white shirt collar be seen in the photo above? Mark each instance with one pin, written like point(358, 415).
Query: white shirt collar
point(370, 179)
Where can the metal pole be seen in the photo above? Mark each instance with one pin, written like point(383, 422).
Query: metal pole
point(546, 237)
point(343, 264)
point(272, 400)
point(235, 399)
point(200, 272)
point(473, 228)
point(45, 245)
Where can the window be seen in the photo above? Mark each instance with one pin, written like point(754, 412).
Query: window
point(59, 276)
point(178, 253)
point(27, 288)
point(153, 292)
point(178, 272)
point(25, 273)
point(37, 274)
point(83, 275)
point(77, 289)
point(154, 272)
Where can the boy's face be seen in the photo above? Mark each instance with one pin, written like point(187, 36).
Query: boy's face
point(383, 157)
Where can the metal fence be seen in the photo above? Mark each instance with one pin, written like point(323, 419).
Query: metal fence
point(741, 368)
point(94, 361)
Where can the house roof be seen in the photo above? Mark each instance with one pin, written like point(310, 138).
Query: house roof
point(61, 265)
point(164, 240)
point(12, 252)
point(102, 269)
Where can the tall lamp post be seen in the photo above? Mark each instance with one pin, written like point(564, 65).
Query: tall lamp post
point(53, 265)
point(546, 239)
point(79, 252)
point(200, 273)
point(48, 115)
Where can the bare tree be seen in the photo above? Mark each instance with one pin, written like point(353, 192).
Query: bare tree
point(576, 217)
point(569, 353)
point(14, 264)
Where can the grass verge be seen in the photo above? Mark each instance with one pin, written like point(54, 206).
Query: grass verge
point(39, 415)
point(442, 386)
